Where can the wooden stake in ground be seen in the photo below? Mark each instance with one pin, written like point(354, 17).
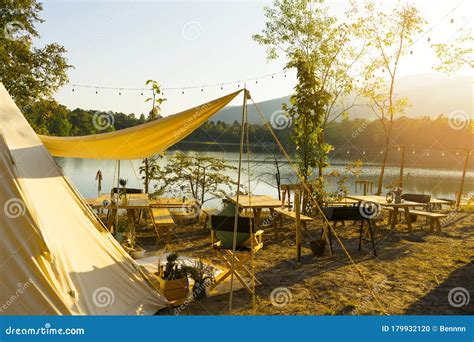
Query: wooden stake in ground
point(298, 225)
point(466, 161)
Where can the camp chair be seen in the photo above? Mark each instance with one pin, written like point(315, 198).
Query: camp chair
point(223, 227)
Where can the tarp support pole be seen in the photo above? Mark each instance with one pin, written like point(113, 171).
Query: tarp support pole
point(236, 218)
point(118, 187)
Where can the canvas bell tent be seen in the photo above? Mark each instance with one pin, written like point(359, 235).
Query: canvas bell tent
point(55, 256)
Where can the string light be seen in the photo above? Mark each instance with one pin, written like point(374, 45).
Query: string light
point(348, 152)
point(272, 75)
point(363, 152)
point(413, 152)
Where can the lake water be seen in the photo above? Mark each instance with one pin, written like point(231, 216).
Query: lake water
point(436, 182)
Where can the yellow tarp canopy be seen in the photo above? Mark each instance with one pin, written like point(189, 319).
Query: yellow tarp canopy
point(136, 142)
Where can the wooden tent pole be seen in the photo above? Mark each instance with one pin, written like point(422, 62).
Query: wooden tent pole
point(236, 218)
point(402, 164)
point(466, 161)
point(298, 225)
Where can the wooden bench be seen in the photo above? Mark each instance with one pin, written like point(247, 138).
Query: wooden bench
point(292, 215)
point(433, 217)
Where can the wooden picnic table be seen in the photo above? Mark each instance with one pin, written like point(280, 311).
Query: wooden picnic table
point(173, 203)
point(382, 201)
point(256, 203)
point(438, 203)
point(135, 203)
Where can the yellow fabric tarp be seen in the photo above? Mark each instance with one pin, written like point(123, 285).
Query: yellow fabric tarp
point(136, 142)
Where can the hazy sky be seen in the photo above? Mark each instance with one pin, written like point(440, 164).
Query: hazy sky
point(190, 43)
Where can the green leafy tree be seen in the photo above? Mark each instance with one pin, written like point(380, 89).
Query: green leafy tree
point(201, 176)
point(28, 72)
point(389, 35)
point(456, 55)
point(319, 48)
point(149, 167)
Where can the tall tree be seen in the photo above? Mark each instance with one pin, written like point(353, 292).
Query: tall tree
point(389, 35)
point(28, 72)
point(456, 55)
point(150, 165)
point(319, 48)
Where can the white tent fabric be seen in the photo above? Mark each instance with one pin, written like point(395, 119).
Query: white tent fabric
point(55, 256)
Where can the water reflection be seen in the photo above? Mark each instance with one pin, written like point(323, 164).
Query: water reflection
point(436, 182)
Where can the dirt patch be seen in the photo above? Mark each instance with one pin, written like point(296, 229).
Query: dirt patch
point(412, 274)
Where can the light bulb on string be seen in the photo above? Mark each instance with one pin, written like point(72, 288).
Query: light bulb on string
point(202, 90)
point(429, 39)
point(457, 153)
point(363, 152)
point(348, 152)
point(141, 93)
point(96, 92)
point(222, 88)
point(413, 152)
point(381, 152)
point(411, 52)
point(443, 154)
point(73, 90)
point(427, 154)
point(182, 92)
point(452, 21)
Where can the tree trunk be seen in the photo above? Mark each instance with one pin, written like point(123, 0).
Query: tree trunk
point(382, 168)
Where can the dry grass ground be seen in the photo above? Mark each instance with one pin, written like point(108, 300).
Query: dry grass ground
point(412, 274)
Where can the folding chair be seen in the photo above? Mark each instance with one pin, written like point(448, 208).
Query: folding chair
point(223, 227)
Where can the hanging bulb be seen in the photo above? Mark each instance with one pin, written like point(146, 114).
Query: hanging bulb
point(348, 152)
point(202, 89)
point(427, 154)
point(381, 152)
point(222, 88)
point(96, 92)
point(411, 52)
point(238, 85)
point(285, 75)
point(398, 149)
point(120, 93)
point(457, 153)
point(141, 93)
point(363, 152)
point(182, 92)
point(429, 39)
point(73, 90)
point(272, 76)
point(443, 154)
point(256, 82)
point(452, 21)
point(413, 152)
